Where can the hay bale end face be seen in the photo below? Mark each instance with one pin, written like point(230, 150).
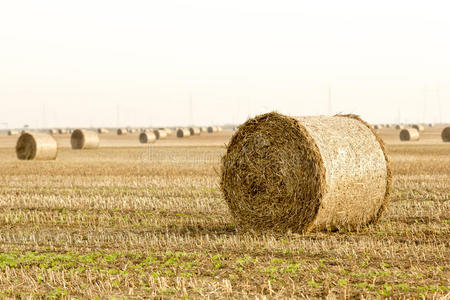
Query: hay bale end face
point(213, 129)
point(102, 130)
point(183, 132)
point(122, 131)
point(409, 134)
point(194, 130)
point(36, 146)
point(147, 137)
point(84, 139)
point(398, 127)
point(305, 174)
point(445, 134)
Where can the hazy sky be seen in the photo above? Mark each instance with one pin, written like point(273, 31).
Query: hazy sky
point(74, 63)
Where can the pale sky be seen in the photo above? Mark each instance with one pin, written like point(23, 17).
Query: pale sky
point(73, 63)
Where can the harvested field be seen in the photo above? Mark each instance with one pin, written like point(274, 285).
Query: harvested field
point(129, 220)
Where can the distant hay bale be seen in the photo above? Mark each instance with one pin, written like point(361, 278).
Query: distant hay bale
point(219, 129)
point(13, 132)
point(160, 134)
point(84, 139)
point(376, 127)
point(36, 146)
point(62, 131)
point(430, 125)
point(419, 127)
point(122, 131)
point(212, 129)
point(131, 130)
point(446, 134)
point(204, 129)
point(147, 137)
point(305, 174)
point(102, 131)
point(387, 126)
point(409, 134)
point(167, 130)
point(398, 127)
point(194, 130)
point(183, 132)
point(52, 131)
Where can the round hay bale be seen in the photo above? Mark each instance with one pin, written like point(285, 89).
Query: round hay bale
point(52, 131)
point(183, 132)
point(398, 127)
point(36, 146)
point(167, 130)
point(160, 134)
point(13, 132)
point(419, 127)
point(62, 131)
point(305, 174)
point(84, 139)
point(430, 125)
point(131, 130)
point(376, 127)
point(446, 134)
point(122, 131)
point(409, 134)
point(102, 131)
point(194, 130)
point(147, 137)
point(204, 129)
point(212, 129)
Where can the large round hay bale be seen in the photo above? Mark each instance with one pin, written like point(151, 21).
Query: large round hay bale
point(122, 131)
point(36, 146)
point(84, 139)
point(102, 130)
point(160, 134)
point(183, 132)
point(194, 130)
point(409, 134)
point(307, 173)
point(419, 127)
point(446, 134)
point(147, 137)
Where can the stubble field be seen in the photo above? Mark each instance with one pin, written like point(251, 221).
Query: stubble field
point(130, 221)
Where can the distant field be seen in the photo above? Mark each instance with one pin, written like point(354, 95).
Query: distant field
point(130, 220)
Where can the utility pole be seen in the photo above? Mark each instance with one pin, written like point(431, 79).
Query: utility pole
point(330, 108)
point(191, 121)
point(438, 96)
point(424, 103)
point(44, 122)
point(118, 116)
